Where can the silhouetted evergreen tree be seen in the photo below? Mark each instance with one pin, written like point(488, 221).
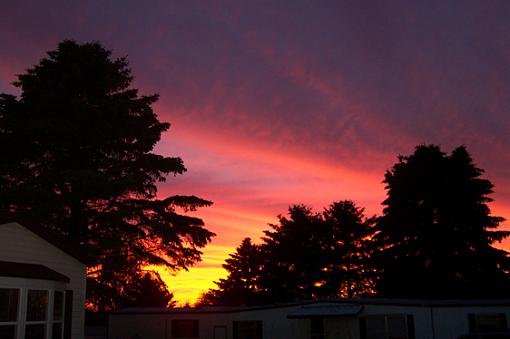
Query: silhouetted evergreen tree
point(437, 229)
point(351, 274)
point(138, 288)
point(148, 290)
point(310, 256)
point(77, 156)
point(293, 256)
point(241, 285)
point(305, 256)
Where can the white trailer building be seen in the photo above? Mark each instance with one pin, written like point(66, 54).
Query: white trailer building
point(340, 318)
point(42, 285)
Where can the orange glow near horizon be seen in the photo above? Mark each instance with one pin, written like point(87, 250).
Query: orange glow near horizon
point(272, 105)
point(187, 286)
point(246, 209)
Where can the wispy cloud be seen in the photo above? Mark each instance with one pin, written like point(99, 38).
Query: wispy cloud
point(294, 102)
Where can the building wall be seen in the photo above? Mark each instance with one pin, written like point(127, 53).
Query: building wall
point(429, 323)
point(345, 328)
point(275, 323)
point(449, 321)
point(18, 244)
point(421, 315)
point(154, 326)
point(23, 285)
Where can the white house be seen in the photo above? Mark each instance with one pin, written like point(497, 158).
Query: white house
point(340, 319)
point(42, 285)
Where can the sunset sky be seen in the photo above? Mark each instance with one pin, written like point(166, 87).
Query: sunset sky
point(280, 102)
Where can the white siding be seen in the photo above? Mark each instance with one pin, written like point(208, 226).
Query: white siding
point(275, 324)
point(421, 315)
point(18, 244)
point(344, 327)
point(448, 322)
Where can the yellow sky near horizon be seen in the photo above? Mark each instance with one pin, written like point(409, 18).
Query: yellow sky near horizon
point(187, 286)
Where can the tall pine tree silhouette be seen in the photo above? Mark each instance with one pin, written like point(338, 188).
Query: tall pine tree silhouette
point(77, 157)
point(437, 229)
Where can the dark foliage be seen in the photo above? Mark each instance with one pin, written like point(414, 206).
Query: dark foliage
point(142, 289)
point(434, 240)
point(437, 230)
point(293, 257)
point(147, 290)
point(306, 256)
point(310, 256)
point(77, 157)
point(349, 238)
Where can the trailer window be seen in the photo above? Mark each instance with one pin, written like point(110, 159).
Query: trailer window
point(9, 300)
point(247, 329)
point(398, 326)
point(487, 322)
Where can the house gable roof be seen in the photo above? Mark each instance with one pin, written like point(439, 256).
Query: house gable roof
point(41, 231)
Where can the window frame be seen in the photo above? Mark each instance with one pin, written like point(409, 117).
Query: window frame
point(18, 311)
point(259, 325)
point(61, 321)
point(23, 285)
point(474, 325)
point(409, 329)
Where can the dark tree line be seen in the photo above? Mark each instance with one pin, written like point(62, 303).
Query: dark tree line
point(438, 231)
point(77, 157)
point(305, 256)
point(148, 291)
point(434, 240)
